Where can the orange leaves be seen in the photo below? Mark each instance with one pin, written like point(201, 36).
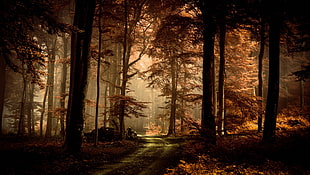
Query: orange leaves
point(133, 108)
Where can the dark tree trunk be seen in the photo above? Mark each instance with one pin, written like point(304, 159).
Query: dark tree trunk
point(80, 42)
point(124, 75)
point(260, 73)
point(171, 130)
point(273, 81)
point(207, 118)
point(221, 114)
point(98, 77)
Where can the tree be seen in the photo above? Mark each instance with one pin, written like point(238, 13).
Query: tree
point(50, 83)
point(260, 71)
point(275, 24)
point(80, 42)
point(207, 118)
point(221, 84)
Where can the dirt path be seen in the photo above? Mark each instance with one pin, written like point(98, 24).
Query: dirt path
point(152, 158)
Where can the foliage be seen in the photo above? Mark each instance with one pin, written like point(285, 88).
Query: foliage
point(153, 129)
point(302, 75)
point(20, 20)
point(243, 153)
point(240, 109)
point(133, 108)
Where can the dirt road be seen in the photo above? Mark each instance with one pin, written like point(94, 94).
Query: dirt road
point(152, 158)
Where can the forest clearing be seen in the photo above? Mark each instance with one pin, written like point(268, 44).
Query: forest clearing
point(154, 87)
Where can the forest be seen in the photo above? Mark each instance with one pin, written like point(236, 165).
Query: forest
point(224, 83)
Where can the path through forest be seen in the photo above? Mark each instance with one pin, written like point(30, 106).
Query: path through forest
point(155, 154)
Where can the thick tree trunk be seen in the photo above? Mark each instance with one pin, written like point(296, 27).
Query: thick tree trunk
point(273, 82)
point(207, 118)
point(80, 42)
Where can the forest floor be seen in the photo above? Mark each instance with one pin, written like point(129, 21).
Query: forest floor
point(234, 154)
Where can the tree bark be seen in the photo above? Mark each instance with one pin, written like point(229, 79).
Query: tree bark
point(125, 70)
point(30, 108)
point(171, 130)
point(63, 87)
point(260, 73)
point(221, 96)
point(21, 124)
point(207, 118)
point(50, 83)
point(80, 42)
point(98, 77)
point(273, 82)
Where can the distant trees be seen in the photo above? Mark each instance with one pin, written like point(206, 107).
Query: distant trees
point(176, 62)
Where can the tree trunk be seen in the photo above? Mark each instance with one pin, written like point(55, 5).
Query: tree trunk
point(273, 82)
point(21, 127)
point(171, 130)
point(30, 108)
point(207, 118)
point(2, 88)
point(50, 83)
point(125, 71)
point(43, 111)
point(221, 114)
point(98, 76)
point(80, 42)
point(260, 73)
point(63, 87)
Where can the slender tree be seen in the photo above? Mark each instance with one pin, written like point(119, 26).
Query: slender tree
point(221, 84)
point(260, 72)
point(98, 75)
point(50, 84)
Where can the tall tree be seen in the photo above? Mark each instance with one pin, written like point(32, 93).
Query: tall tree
point(50, 84)
point(80, 42)
point(260, 72)
point(207, 118)
point(221, 84)
point(98, 74)
point(275, 24)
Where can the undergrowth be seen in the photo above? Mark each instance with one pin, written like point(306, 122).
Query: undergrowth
point(244, 153)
